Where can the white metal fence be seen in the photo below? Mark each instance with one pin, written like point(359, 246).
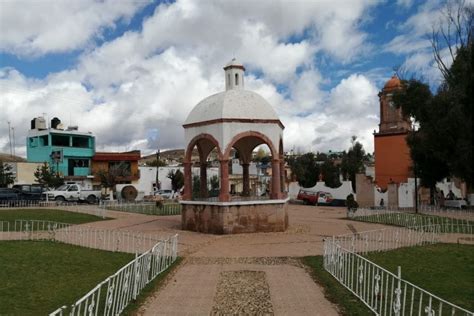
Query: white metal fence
point(407, 219)
point(67, 206)
point(383, 292)
point(111, 296)
point(388, 238)
point(141, 207)
point(90, 237)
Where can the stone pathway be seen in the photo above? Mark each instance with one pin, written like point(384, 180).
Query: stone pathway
point(220, 273)
point(208, 289)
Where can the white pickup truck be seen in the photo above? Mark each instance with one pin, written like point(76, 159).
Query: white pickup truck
point(73, 193)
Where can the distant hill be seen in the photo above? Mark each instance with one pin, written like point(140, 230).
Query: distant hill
point(9, 158)
point(167, 155)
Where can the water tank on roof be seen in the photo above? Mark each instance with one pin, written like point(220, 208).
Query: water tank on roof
point(38, 123)
point(55, 122)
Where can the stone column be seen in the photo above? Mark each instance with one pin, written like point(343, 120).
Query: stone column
point(245, 179)
point(282, 174)
point(276, 193)
point(224, 195)
point(188, 181)
point(203, 180)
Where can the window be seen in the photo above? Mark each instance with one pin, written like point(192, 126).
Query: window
point(43, 140)
point(33, 141)
point(228, 79)
point(80, 142)
point(236, 79)
point(60, 140)
point(73, 188)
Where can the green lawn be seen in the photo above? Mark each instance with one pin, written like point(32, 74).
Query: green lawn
point(11, 215)
point(446, 270)
point(38, 277)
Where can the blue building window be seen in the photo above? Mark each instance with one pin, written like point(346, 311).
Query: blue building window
point(59, 140)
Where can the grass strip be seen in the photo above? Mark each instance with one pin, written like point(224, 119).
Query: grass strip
point(347, 303)
point(10, 215)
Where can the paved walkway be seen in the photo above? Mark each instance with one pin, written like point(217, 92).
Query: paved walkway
point(193, 288)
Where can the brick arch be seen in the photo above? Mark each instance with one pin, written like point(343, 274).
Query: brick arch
point(194, 141)
point(259, 135)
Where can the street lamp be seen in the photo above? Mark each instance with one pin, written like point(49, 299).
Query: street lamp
point(415, 173)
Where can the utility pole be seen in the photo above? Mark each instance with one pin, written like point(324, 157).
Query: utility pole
point(10, 139)
point(14, 145)
point(157, 169)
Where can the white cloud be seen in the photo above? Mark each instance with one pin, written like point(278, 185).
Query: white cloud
point(34, 28)
point(144, 83)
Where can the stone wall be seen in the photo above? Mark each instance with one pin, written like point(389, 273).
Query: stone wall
point(365, 190)
point(234, 219)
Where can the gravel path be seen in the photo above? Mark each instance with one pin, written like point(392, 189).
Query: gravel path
point(242, 292)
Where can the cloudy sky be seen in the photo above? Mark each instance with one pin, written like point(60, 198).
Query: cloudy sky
point(131, 71)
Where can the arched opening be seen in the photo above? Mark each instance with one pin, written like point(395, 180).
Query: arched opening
point(201, 168)
point(254, 168)
point(236, 79)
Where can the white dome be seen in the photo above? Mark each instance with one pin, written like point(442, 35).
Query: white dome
point(232, 104)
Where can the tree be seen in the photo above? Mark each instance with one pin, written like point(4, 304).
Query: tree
point(111, 177)
point(214, 191)
point(442, 146)
point(177, 179)
point(305, 169)
point(46, 176)
point(353, 161)
point(196, 186)
point(6, 174)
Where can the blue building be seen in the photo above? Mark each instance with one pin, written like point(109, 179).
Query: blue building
point(67, 150)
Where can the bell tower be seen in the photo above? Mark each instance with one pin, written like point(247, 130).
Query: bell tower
point(234, 75)
point(391, 117)
point(392, 154)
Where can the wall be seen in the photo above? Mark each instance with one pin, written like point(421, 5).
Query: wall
point(337, 193)
point(148, 177)
point(365, 190)
point(25, 172)
point(392, 159)
point(234, 219)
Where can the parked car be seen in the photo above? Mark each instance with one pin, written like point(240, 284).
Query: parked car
point(315, 198)
point(8, 196)
point(166, 194)
point(73, 193)
point(30, 192)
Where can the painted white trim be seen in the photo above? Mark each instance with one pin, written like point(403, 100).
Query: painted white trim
point(232, 203)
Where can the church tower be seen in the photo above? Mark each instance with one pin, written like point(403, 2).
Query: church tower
point(391, 118)
point(392, 154)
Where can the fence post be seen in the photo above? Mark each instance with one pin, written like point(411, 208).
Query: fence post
point(398, 292)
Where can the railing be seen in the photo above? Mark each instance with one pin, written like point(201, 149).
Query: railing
point(381, 291)
point(388, 238)
point(149, 208)
point(397, 218)
point(110, 240)
point(67, 206)
point(111, 296)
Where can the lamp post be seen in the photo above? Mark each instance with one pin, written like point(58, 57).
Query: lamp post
point(415, 174)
